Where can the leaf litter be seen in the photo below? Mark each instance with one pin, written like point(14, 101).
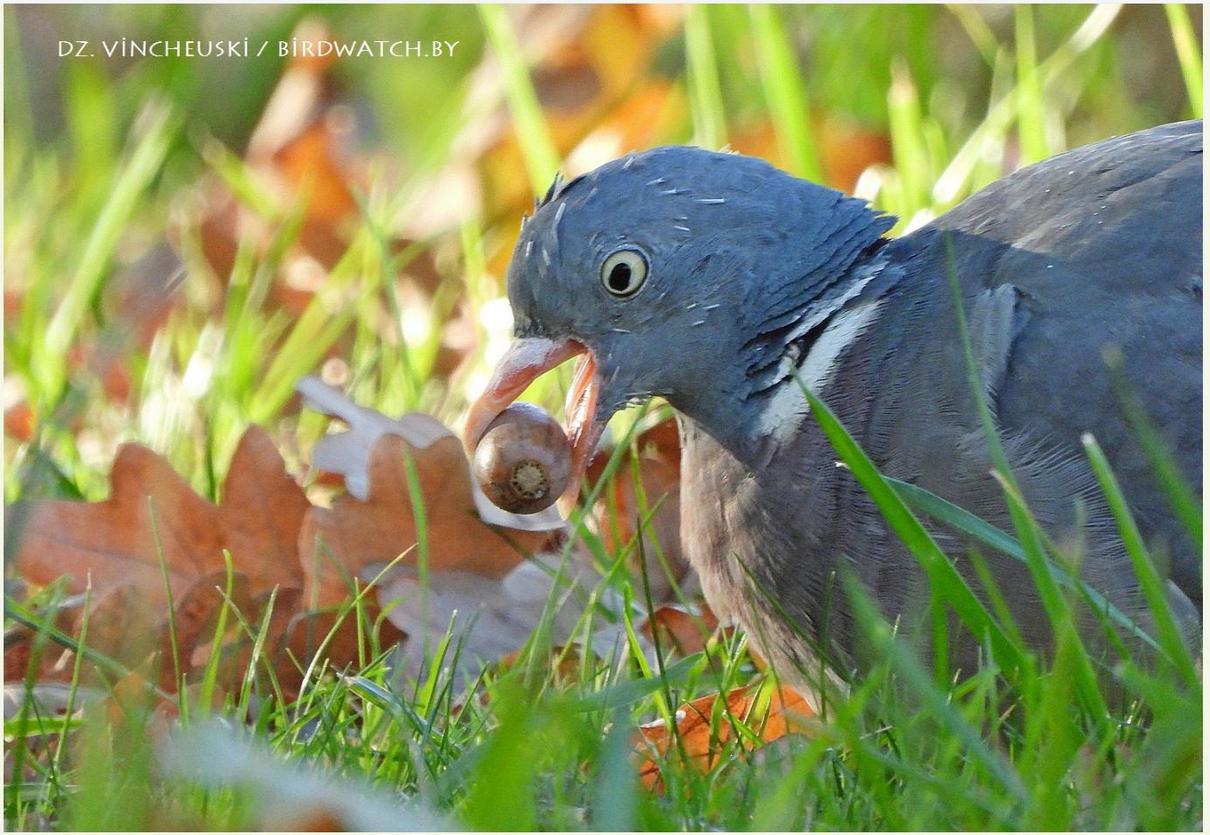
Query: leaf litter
point(445, 559)
point(458, 563)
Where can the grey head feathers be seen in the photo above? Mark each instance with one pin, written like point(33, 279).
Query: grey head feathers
point(744, 261)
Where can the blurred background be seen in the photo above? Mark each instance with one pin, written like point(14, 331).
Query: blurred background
point(185, 237)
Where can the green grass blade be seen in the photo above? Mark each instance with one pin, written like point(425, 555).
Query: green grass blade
point(243, 182)
point(1055, 604)
point(705, 95)
point(977, 30)
point(210, 673)
point(1187, 53)
point(162, 561)
point(963, 520)
point(91, 113)
point(1031, 116)
point(315, 331)
point(21, 614)
point(50, 361)
point(1054, 742)
point(954, 178)
point(1028, 530)
point(1150, 582)
point(632, 690)
point(537, 147)
point(785, 93)
point(907, 139)
point(945, 511)
point(919, 680)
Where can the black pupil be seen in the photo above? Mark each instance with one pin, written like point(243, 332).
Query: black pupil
point(619, 277)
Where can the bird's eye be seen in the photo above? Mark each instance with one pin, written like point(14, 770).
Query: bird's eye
point(624, 272)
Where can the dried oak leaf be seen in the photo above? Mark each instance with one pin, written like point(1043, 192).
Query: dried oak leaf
point(338, 543)
point(336, 633)
point(378, 520)
point(703, 740)
point(153, 514)
point(23, 645)
point(491, 619)
point(680, 630)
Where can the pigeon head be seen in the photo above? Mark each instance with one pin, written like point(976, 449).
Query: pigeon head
point(679, 273)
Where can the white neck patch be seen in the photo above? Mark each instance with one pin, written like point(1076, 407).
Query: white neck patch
point(785, 409)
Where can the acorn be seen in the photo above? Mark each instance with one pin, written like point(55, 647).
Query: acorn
point(523, 460)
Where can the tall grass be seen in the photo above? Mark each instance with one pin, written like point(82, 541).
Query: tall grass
point(1187, 51)
point(785, 93)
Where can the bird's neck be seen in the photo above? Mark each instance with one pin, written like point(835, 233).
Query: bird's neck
point(753, 420)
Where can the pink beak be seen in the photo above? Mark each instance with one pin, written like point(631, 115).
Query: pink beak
point(525, 361)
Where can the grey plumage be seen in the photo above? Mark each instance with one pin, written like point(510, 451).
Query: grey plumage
point(1096, 248)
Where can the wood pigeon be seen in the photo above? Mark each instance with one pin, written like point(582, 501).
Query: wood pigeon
point(716, 281)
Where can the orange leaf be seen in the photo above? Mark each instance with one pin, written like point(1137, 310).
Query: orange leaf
point(680, 630)
point(847, 149)
point(152, 514)
point(377, 521)
point(703, 740)
point(353, 533)
point(19, 421)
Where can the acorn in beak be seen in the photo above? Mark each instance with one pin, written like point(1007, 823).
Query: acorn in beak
point(525, 361)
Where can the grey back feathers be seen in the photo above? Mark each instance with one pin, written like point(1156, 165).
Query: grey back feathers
point(753, 274)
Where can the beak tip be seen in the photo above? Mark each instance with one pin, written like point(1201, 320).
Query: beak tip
point(524, 361)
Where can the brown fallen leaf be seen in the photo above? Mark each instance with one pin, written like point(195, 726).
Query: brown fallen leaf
point(23, 645)
point(154, 538)
point(618, 510)
point(122, 626)
point(236, 653)
point(703, 741)
point(306, 633)
point(337, 543)
point(491, 618)
point(153, 523)
point(195, 617)
point(116, 546)
point(378, 520)
point(19, 655)
point(680, 630)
